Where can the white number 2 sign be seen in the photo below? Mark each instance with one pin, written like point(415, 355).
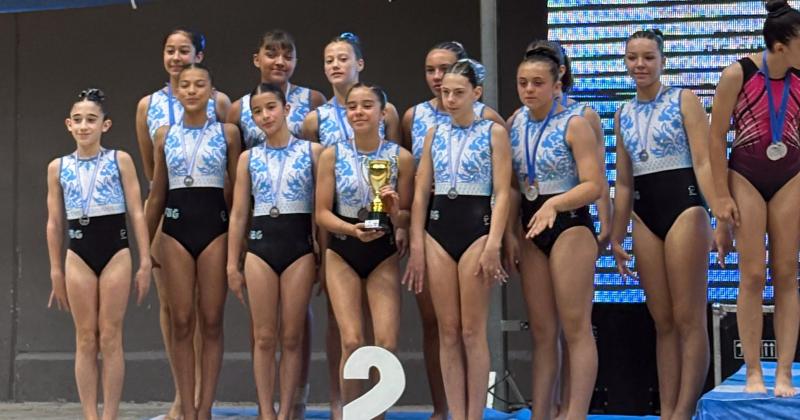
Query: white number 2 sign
point(385, 393)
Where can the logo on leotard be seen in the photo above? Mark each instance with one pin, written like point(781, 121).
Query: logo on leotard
point(434, 215)
point(636, 195)
point(487, 220)
point(123, 234)
point(75, 234)
point(256, 235)
point(224, 216)
point(171, 213)
point(573, 214)
point(692, 190)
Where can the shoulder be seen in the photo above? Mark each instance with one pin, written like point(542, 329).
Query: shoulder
point(54, 166)
point(408, 116)
point(161, 133)
point(733, 72)
point(141, 107)
point(231, 131)
point(317, 98)
point(122, 156)
point(391, 110)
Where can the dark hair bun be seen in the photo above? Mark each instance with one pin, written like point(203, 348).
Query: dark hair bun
point(544, 52)
point(776, 5)
point(92, 94)
point(657, 32)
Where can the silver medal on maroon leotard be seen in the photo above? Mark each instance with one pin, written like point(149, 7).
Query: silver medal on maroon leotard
point(777, 151)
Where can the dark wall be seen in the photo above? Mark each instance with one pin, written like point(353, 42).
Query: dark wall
point(56, 54)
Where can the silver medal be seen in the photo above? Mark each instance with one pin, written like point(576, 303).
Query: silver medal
point(274, 212)
point(452, 193)
point(363, 213)
point(84, 220)
point(643, 156)
point(777, 151)
point(531, 193)
point(188, 180)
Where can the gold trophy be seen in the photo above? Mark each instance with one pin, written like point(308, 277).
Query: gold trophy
point(379, 172)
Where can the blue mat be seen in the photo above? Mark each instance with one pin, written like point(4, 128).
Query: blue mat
point(488, 414)
point(728, 400)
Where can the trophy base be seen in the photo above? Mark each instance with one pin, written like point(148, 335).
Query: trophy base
point(377, 221)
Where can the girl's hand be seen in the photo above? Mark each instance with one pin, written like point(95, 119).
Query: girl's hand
point(723, 242)
point(367, 235)
point(415, 270)
point(490, 266)
point(543, 219)
point(142, 283)
point(59, 291)
point(622, 258)
point(391, 200)
point(236, 283)
point(511, 253)
point(725, 210)
point(401, 240)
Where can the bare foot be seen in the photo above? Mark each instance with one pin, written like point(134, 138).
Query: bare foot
point(438, 416)
point(559, 412)
point(755, 382)
point(336, 410)
point(783, 384)
point(299, 412)
point(174, 411)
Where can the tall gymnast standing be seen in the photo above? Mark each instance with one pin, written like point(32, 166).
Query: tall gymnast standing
point(195, 160)
point(662, 169)
point(559, 173)
point(759, 193)
point(162, 107)
point(96, 188)
point(468, 160)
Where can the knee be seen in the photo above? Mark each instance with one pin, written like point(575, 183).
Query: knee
point(182, 326)
point(110, 340)
point(688, 320)
point(449, 333)
point(265, 341)
point(291, 341)
point(664, 322)
point(544, 333)
point(576, 326)
point(211, 327)
point(473, 335)
point(388, 343)
point(752, 280)
point(351, 342)
point(86, 341)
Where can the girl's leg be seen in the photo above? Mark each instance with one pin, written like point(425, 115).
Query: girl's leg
point(295, 290)
point(442, 278)
point(752, 275)
point(784, 228)
point(333, 350)
point(114, 286)
point(430, 350)
point(82, 294)
point(263, 291)
point(179, 277)
point(686, 252)
point(537, 289)
point(345, 289)
point(572, 269)
point(652, 269)
point(212, 290)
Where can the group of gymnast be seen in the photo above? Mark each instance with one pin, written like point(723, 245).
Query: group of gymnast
point(267, 196)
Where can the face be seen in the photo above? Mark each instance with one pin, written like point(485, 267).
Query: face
point(790, 51)
point(86, 123)
point(341, 65)
point(194, 89)
point(458, 94)
point(536, 85)
point(643, 61)
point(178, 52)
point(363, 110)
point(436, 64)
point(276, 64)
point(268, 112)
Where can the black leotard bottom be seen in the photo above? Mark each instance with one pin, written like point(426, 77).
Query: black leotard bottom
point(195, 217)
point(363, 257)
point(457, 223)
point(564, 220)
point(282, 240)
point(97, 242)
point(659, 198)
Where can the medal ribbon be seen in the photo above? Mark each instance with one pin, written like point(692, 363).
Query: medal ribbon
point(196, 146)
point(776, 119)
point(275, 186)
point(86, 200)
point(646, 138)
point(169, 104)
point(341, 122)
point(531, 163)
point(454, 165)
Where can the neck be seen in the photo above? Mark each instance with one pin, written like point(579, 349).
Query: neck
point(340, 91)
point(436, 103)
point(463, 118)
point(648, 93)
point(280, 138)
point(284, 86)
point(88, 150)
point(368, 141)
point(777, 66)
point(541, 112)
point(173, 81)
point(195, 118)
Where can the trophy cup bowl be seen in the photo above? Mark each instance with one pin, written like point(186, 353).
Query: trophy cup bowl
point(379, 173)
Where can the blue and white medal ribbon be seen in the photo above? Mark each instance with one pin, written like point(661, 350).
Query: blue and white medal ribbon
point(87, 199)
point(532, 191)
point(188, 180)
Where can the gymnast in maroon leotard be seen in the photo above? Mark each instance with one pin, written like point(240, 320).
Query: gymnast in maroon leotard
point(760, 194)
